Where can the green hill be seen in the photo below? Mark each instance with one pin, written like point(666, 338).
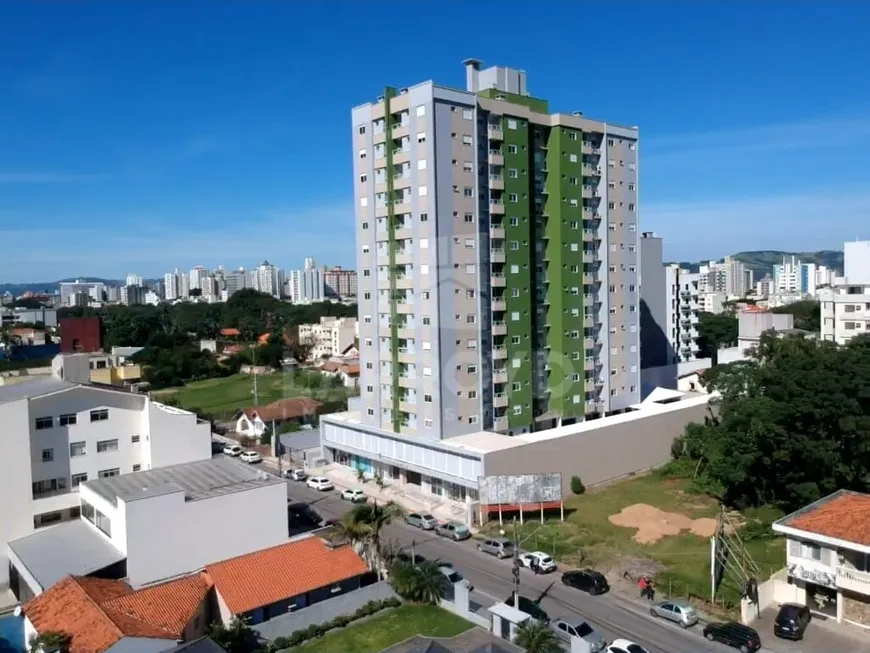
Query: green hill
point(761, 262)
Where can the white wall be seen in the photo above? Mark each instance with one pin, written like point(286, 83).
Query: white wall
point(166, 536)
point(176, 436)
point(16, 511)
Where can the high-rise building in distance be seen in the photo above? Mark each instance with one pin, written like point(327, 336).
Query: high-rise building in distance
point(339, 282)
point(497, 259)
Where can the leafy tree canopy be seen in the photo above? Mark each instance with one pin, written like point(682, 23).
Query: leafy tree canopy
point(807, 314)
point(792, 424)
point(715, 331)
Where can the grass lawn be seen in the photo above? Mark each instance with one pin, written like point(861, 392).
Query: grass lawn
point(223, 397)
point(588, 539)
point(385, 630)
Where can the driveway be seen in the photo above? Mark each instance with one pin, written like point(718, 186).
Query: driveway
point(822, 636)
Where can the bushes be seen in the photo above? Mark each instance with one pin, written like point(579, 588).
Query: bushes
point(577, 486)
point(319, 630)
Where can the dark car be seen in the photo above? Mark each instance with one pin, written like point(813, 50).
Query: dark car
point(406, 557)
point(531, 608)
point(733, 634)
point(792, 621)
point(586, 580)
point(302, 513)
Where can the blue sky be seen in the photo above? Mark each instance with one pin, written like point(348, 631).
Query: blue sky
point(137, 136)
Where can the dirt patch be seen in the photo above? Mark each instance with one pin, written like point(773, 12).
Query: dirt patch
point(653, 524)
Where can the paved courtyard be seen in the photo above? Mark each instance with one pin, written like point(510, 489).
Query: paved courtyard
point(822, 636)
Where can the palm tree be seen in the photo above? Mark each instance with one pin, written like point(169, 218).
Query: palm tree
point(374, 517)
point(352, 531)
point(418, 583)
point(537, 637)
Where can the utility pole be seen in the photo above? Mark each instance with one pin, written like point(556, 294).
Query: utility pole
point(254, 374)
point(516, 567)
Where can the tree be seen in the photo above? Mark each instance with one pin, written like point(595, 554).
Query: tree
point(423, 583)
point(807, 314)
point(537, 637)
point(791, 424)
point(715, 331)
point(363, 526)
point(238, 637)
point(50, 641)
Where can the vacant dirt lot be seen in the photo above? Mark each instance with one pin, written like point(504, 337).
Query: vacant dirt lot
point(652, 524)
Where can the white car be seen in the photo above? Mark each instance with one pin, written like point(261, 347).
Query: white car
point(320, 483)
point(251, 457)
point(233, 450)
point(625, 646)
point(354, 495)
point(295, 474)
point(545, 563)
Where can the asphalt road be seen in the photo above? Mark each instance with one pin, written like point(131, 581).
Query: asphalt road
point(613, 615)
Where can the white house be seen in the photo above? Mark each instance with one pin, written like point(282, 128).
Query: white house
point(253, 422)
point(58, 434)
point(828, 557)
point(155, 525)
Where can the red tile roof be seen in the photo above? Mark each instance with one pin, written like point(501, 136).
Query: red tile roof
point(230, 332)
point(97, 613)
point(284, 409)
point(843, 515)
point(264, 577)
point(351, 370)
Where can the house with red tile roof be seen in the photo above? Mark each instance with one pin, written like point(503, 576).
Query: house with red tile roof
point(253, 421)
point(288, 577)
point(97, 613)
point(828, 557)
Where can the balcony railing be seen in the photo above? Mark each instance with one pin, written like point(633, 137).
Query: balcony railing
point(853, 580)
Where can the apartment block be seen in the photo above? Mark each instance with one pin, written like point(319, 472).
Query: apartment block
point(340, 283)
point(58, 435)
point(729, 277)
point(307, 285)
point(330, 337)
point(497, 258)
point(845, 305)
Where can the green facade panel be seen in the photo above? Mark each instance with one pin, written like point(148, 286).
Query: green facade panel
point(389, 93)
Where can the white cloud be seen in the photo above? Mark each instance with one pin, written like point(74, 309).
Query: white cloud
point(823, 218)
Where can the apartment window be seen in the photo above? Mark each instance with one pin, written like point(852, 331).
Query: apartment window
point(609, 142)
point(104, 446)
point(421, 110)
point(471, 344)
point(611, 205)
point(512, 149)
point(632, 166)
point(632, 227)
point(108, 473)
point(468, 166)
point(427, 371)
point(468, 191)
point(100, 415)
point(518, 410)
point(426, 320)
point(422, 191)
point(515, 292)
point(367, 272)
point(370, 411)
point(47, 455)
point(424, 269)
point(631, 187)
point(470, 319)
point(427, 398)
point(469, 294)
point(363, 178)
point(572, 158)
point(470, 268)
point(466, 139)
point(49, 485)
point(467, 114)
point(362, 154)
point(424, 217)
point(513, 173)
point(631, 207)
point(44, 423)
point(134, 439)
point(473, 418)
point(427, 422)
point(513, 197)
point(421, 164)
point(137, 468)
point(424, 243)
point(421, 137)
point(425, 294)
point(516, 363)
point(472, 369)
point(514, 222)
point(363, 201)
point(469, 243)
point(77, 449)
point(632, 146)
point(469, 218)
point(427, 346)
point(78, 479)
point(362, 129)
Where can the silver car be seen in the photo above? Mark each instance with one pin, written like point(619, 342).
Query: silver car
point(426, 522)
point(679, 612)
point(499, 547)
point(566, 630)
point(454, 577)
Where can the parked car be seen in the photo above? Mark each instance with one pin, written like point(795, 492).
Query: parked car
point(538, 561)
point(625, 646)
point(303, 513)
point(251, 457)
point(354, 495)
point(454, 530)
point(426, 522)
point(587, 580)
point(217, 446)
point(320, 483)
point(500, 547)
point(531, 608)
point(679, 612)
point(584, 631)
point(454, 576)
point(733, 634)
point(233, 450)
point(791, 621)
point(294, 474)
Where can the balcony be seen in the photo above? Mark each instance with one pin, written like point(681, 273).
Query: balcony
point(499, 376)
point(499, 329)
point(500, 424)
point(591, 171)
point(407, 406)
point(589, 385)
point(497, 280)
point(588, 321)
point(401, 155)
point(587, 147)
point(405, 282)
point(404, 257)
point(494, 132)
point(496, 233)
point(406, 355)
point(496, 255)
point(496, 207)
point(499, 353)
point(407, 381)
point(590, 235)
point(589, 364)
point(496, 182)
point(499, 305)
point(591, 256)
point(588, 278)
point(495, 158)
point(853, 580)
point(500, 401)
point(589, 343)
point(589, 191)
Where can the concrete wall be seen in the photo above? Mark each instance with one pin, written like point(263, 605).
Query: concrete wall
point(176, 436)
point(16, 513)
point(599, 455)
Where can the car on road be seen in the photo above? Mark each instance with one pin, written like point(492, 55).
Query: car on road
point(425, 521)
point(251, 457)
point(538, 561)
point(531, 608)
point(320, 483)
point(294, 474)
point(679, 612)
point(733, 634)
point(566, 630)
point(303, 514)
point(454, 576)
point(791, 621)
point(233, 450)
point(453, 530)
point(354, 495)
point(586, 580)
point(500, 547)
point(625, 646)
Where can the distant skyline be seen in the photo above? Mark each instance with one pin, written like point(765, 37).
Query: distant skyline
point(128, 146)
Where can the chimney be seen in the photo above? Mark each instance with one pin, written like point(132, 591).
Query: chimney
point(472, 68)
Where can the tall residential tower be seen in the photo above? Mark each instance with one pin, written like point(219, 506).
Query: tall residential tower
point(497, 257)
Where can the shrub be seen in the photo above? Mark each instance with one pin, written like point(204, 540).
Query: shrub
point(319, 630)
point(577, 486)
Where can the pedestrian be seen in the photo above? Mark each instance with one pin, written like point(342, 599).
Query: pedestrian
point(651, 591)
point(642, 584)
point(533, 563)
